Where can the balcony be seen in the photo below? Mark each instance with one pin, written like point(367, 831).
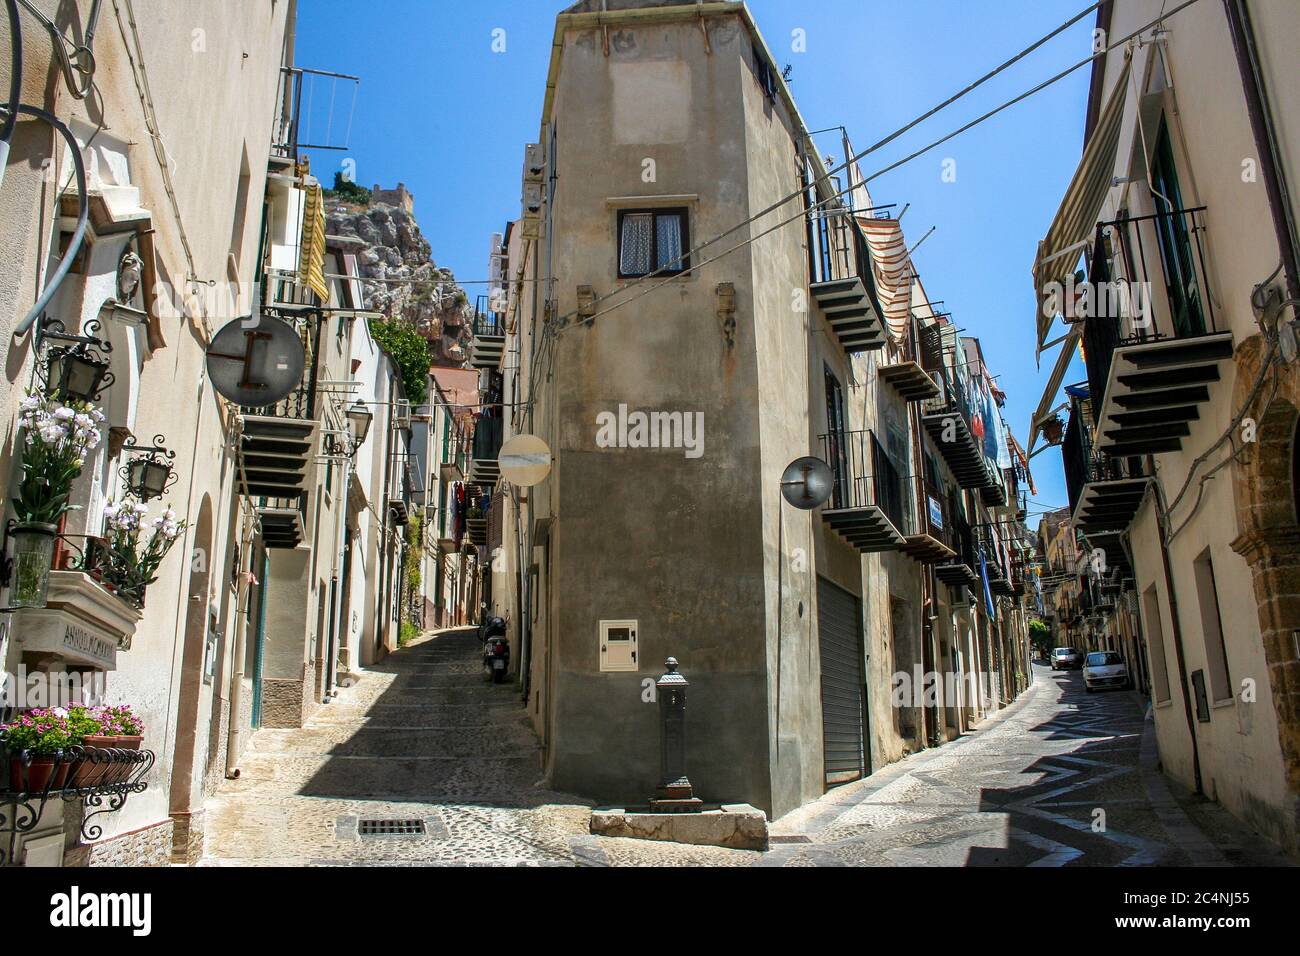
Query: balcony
point(282, 522)
point(961, 570)
point(1104, 492)
point(489, 330)
point(994, 490)
point(997, 563)
point(903, 372)
point(277, 441)
point(1151, 339)
point(947, 418)
point(931, 528)
point(843, 285)
point(484, 468)
point(868, 503)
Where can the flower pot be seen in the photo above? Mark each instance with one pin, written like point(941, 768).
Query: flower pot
point(40, 773)
point(92, 773)
point(33, 558)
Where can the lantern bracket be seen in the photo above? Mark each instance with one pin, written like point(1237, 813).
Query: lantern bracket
point(152, 458)
point(87, 347)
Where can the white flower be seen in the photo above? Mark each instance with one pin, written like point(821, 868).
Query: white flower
point(63, 413)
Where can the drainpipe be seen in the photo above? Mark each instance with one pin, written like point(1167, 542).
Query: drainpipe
point(1265, 134)
point(1162, 524)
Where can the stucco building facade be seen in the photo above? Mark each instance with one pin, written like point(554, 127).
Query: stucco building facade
point(1185, 475)
point(673, 392)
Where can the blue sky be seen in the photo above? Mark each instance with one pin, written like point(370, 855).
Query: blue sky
point(440, 111)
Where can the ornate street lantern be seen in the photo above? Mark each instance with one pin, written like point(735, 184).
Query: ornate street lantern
point(78, 370)
point(674, 792)
point(359, 418)
point(149, 475)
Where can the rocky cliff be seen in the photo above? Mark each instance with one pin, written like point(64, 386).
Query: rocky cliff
point(399, 277)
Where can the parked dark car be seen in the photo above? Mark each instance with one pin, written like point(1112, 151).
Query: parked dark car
point(1066, 659)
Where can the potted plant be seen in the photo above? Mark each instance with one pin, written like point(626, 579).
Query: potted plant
point(1053, 429)
point(39, 738)
point(129, 564)
point(56, 440)
point(109, 727)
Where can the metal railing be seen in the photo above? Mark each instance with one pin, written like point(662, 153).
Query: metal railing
point(1084, 464)
point(299, 404)
point(864, 476)
point(488, 323)
point(932, 514)
point(1147, 281)
point(837, 246)
point(287, 132)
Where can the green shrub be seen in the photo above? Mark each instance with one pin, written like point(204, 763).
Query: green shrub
point(410, 350)
point(349, 191)
point(408, 633)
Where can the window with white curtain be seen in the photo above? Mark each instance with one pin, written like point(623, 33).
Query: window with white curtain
point(652, 241)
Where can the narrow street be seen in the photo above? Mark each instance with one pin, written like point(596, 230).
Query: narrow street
point(1061, 778)
point(425, 738)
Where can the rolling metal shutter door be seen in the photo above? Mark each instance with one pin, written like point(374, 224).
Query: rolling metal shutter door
point(839, 626)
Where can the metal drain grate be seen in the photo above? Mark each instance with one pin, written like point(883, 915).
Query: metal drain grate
point(390, 828)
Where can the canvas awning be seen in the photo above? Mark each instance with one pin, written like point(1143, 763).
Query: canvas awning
point(894, 272)
point(311, 256)
point(1075, 224)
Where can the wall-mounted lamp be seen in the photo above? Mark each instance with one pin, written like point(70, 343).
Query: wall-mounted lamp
point(359, 419)
point(149, 475)
point(76, 369)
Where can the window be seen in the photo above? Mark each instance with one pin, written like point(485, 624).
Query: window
point(1216, 655)
point(763, 74)
point(1155, 644)
point(1175, 241)
point(652, 241)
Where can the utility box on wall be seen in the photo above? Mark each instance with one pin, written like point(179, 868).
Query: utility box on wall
point(618, 646)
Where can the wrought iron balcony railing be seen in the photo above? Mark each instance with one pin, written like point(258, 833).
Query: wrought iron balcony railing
point(864, 476)
point(1147, 283)
point(301, 403)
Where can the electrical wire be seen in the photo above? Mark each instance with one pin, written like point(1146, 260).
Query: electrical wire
point(684, 257)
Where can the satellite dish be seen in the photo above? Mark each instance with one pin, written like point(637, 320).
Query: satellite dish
point(525, 460)
point(256, 361)
point(807, 482)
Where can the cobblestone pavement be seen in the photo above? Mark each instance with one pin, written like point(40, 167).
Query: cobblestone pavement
point(1060, 778)
point(424, 737)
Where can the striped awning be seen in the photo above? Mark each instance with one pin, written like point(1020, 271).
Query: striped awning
point(894, 273)
point(1075, 223)
point(311, 254)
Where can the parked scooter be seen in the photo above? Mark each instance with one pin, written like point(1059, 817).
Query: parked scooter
point(496, 649)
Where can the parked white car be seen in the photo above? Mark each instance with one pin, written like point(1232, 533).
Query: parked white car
point(1105, 669)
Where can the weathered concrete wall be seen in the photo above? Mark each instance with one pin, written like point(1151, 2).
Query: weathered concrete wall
point(679, 540)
